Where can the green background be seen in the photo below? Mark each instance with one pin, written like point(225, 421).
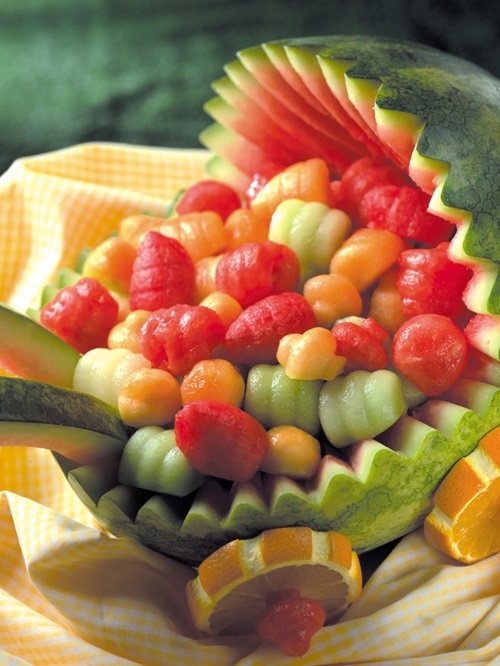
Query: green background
point(139, 72)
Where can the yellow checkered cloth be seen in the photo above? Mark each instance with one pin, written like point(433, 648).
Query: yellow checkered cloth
point(72, 594)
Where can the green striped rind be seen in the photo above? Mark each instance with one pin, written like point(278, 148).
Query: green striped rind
point(383, 492)
point(76, 425)
point(30, 350)
point(81, 445)
point(27, 401)
point(393, 95)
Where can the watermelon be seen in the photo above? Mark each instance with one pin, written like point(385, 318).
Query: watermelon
point(434, 115)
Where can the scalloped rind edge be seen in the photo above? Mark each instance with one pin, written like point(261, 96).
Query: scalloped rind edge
point(352, 497)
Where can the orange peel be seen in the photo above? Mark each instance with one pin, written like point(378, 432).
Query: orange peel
point(233, 583)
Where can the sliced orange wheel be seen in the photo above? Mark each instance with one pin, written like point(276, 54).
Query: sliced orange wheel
point(234, 583)
point(465, 520)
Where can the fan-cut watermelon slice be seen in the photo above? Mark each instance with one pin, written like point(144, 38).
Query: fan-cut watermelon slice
point(323, 142)
point(275, 141)
point(258, 63)
point(308, 67)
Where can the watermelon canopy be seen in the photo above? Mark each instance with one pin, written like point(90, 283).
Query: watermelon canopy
point(433, 114)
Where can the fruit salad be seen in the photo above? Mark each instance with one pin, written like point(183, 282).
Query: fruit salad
point(308, 339)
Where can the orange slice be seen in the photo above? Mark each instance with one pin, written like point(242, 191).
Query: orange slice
point(235, 582)
point(465, 520)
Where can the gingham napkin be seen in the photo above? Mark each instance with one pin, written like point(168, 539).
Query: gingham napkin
point(72, 594)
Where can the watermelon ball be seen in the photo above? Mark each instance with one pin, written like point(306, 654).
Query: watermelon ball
point(361, 348)
point(431, 351)
point(429, 281)
point(220, 440)
point(359, 178)
point(208, 195)
point(255, 335)
point(82, 314)
point(176, 338)
point(404, 210)
point(163, 274)
point(255, 270)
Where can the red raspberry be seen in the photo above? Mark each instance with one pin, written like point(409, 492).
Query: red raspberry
point(176, 338)
point(163, 274)
point(254, 271)
point(220, 439)
point(82, 314)
point(362, 349)
point(254, 336)
point(403, 210)
point(206, 195)
point(290, 621)
point(429, 282)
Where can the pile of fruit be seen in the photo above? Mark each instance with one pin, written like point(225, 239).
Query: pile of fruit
point(307, 341)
